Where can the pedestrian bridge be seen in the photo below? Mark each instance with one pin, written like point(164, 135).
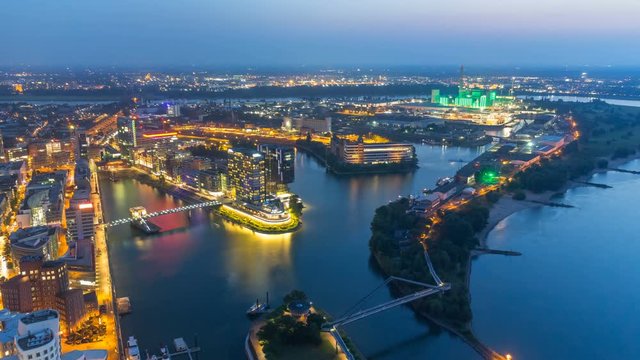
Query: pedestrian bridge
point(143, 215)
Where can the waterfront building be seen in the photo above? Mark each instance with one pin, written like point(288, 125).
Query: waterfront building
point(35, 241)
point(44, 285)
point(247, 176)
point(360, 153)
point(279, 166)
point(308, 124)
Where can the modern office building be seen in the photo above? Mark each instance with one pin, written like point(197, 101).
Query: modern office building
point(247, 176)
point(360, 153)
point(127, 136)
point(35, 241)
point(279, 166)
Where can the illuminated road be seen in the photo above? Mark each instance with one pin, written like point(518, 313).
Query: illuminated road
point(104, 288)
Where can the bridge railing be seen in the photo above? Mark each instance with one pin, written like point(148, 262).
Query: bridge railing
point(164, 212)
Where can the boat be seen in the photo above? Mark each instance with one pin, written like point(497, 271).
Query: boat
point(124, 305)
point(139, 222)
point(444, 181)
point(258, 308)
point(132, 351)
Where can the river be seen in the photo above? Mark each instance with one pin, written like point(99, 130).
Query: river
point(582, 99)
point(200, 275)
point(573, 294)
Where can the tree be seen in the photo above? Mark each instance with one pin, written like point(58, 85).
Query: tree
point(295, 295)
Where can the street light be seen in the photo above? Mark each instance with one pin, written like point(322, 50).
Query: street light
point(509, 357)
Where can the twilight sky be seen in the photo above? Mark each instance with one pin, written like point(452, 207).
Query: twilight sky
point(319, 32)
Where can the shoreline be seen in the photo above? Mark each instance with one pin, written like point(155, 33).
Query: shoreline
point(191, 197)
point(501, 210)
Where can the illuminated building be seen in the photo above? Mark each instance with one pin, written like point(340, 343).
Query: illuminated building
point(35, 241)
point(2, 154)
point(435, 96)
point(80, 216)
point(212, 180)
point(173, 110)
point(247, 176)
point(48, 289)
point(51, 154)
point(44, 200)
point(83, 145)
point(370, 154)
point(280, 165)
point(301, 124)
point(127, 136)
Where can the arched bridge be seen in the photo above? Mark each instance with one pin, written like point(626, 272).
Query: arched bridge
point(144, 215)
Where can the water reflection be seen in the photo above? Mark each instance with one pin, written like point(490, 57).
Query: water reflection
point(257, 260)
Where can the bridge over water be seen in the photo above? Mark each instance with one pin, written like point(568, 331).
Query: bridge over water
point(143, 215)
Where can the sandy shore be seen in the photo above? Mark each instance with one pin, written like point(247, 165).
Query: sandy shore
point(507, 206)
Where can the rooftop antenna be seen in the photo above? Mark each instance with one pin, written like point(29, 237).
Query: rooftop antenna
point(461, 86)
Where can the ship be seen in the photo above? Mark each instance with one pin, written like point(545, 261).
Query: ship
point(259, 308)
point(139, 222)
point(132, 351)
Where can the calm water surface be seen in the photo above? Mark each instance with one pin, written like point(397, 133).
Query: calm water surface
point(200, 276)
point(574, 293)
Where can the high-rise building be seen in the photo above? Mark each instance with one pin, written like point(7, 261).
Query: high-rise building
point(2, 154)
point(127, 136)
point(279, 166)
point(247, 176)
point(80, 216)
point(435, 96)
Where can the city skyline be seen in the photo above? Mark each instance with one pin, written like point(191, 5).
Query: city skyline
point(288, 33)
